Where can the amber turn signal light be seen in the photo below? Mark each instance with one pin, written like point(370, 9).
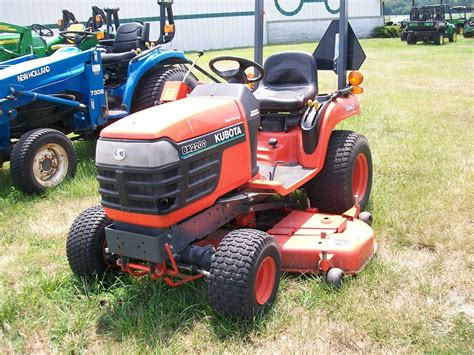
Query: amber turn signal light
point(357, 90)
point(169, 28)
point(100, 35)
point(355, 78)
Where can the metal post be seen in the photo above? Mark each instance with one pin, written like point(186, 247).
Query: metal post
point(343, 39)
point(259, 13)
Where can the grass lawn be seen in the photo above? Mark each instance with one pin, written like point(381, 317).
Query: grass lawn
point(416, 296)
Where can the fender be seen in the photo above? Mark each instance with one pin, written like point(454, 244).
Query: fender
point(338, 110)
point(138, 69)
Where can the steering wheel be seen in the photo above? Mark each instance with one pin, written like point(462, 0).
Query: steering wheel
point(77, 37)
point(237, 75)
point(40, 28)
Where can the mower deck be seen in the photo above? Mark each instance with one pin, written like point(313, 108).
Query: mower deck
point(312, 242)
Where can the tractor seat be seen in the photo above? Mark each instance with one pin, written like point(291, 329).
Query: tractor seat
point(116, 58)
point(129, 36)
point(290, 81)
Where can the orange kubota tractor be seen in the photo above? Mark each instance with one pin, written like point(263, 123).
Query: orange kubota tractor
point(202, 187)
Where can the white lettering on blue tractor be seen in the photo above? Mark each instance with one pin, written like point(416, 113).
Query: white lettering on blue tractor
point(33, 73)
point(97, 92)
point(228, 134)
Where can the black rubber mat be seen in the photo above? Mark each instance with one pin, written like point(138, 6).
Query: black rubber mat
point(287, 175)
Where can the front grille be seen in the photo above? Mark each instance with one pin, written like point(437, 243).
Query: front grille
point(159, 190)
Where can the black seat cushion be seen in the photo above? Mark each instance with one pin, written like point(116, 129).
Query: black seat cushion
point(116, 58)
point(290, 81)
point(131, 36)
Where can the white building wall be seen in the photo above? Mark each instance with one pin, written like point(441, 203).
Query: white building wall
point(209, 24)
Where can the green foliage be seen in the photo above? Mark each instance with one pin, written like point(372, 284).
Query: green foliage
point(387, 32)
point(402, 7)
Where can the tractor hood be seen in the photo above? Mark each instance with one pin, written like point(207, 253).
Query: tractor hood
point(179, 120)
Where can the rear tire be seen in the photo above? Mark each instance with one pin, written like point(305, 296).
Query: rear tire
point(85, 246)
point(149, 89)
point(411, 39)
point(453, 37)
point(245, 274)
point(439, 39)
point(347, 171)
point(42, 159)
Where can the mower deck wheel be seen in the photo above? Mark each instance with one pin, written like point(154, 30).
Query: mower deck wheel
point(334, 277)
point(149, 89)
point(366, 217)
point(41, 159)
point(347, 172)
point(86, 243)
point(245, 274)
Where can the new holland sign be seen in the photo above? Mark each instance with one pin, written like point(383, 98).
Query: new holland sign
point(293, 7)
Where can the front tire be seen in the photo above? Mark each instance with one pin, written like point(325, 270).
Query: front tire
point(453, 37)
point(42, 159)
point(245, 274)
point(86, 243)
point(149, 89)
point(347, 172)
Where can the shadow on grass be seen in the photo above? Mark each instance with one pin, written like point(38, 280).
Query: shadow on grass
point(154, 313)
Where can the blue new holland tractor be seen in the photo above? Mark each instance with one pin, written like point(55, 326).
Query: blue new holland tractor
point(77, 93)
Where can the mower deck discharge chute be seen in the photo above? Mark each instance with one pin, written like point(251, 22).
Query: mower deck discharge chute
point(203, 187)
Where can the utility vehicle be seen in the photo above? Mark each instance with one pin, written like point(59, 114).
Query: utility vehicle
point(207, 190)
point(469, 28)
point(80, 92)
point(460, 16)
point(429, 23)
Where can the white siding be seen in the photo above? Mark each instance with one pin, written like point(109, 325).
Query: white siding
point(208, 32)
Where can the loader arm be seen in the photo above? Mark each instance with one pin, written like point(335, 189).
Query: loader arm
point(44, 78)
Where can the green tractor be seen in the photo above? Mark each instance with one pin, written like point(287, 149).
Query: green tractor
point(469, 28)
point(429, 23)
point(27, 42)
point(460, 17)
point(17, 41)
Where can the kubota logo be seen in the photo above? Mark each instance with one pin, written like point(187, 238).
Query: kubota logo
point(227, 134)
point(119, 154)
